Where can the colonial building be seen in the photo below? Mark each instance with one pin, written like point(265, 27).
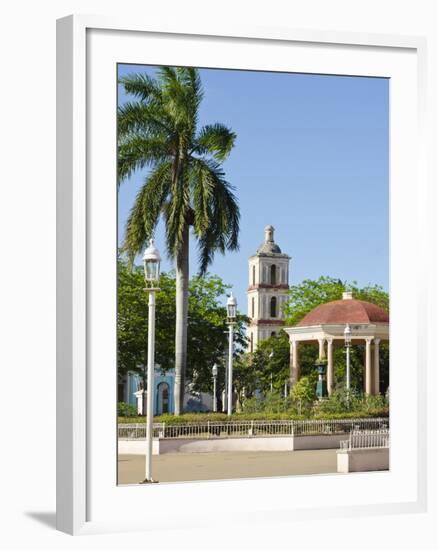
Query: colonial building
point(130, 390)
point(267, 291)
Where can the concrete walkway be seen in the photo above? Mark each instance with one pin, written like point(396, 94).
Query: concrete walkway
point(229, 465)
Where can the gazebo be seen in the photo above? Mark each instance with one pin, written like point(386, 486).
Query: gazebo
point(326, 324)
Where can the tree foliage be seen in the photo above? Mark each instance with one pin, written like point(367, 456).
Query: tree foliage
point(207, 336)
point(304, 391)
point(311, 293)
point(271, 363)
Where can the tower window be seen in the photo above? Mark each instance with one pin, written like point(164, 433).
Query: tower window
point(252, 307)
point(253, 274)
point(273, 275)
point(273, 306)
point(251, 346)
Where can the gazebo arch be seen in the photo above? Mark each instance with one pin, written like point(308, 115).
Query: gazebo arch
point(326, 323)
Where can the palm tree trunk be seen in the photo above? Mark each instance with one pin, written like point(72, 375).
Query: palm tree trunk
point(182, 301)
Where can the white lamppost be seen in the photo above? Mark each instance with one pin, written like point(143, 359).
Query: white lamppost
point(271, 355)
point(151, 263)
point(231, 314)
point(347, 339)
point(214, 371)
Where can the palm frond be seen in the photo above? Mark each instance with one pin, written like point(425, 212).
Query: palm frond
point(142, 86)
point(137, 152)
point(147, 208)
point(217, 213)
point(216, 140)
point(182, 95)
point(147, 119)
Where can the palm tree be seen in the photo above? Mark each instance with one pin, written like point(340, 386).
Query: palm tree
point(185, 185)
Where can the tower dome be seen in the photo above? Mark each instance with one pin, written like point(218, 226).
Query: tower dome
point(269, 246)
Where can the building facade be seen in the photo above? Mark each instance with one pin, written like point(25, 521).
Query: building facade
point(267, 291)
point(131, 392)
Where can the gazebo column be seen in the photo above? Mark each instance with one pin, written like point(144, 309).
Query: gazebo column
point(376, 366)
point(330, 370)
point(321, 342)
point(294, 363)
point(368, 371)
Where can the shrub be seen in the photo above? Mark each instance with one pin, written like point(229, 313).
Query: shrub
point(342, 402)
point(125, 409)
point(304, 391)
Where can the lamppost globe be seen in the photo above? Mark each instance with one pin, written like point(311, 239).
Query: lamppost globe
point(151, 263)
point(231, 308)
point(214, 370)
point(347, 335)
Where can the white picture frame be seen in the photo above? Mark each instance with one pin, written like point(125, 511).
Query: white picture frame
point(85, 500)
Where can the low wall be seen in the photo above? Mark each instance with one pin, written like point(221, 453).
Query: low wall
point(137, 447)
point(362, 460)
point(220, 445)
point(245, 444)
point(315, 442)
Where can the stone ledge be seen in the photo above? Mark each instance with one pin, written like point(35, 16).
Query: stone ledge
point(225, 444)
point(362, 460)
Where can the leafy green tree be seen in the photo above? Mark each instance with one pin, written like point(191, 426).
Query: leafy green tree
point(185, 184)
point(132, 320)
point(304, 392)
point(245, 378)
point(271, 362)
point(207, 341)
point(311, 293)
point(208, 336)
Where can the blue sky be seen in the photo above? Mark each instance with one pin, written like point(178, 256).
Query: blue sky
point(311, 158)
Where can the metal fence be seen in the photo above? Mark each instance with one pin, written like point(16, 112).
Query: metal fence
point(253, 428)
point(367, 439)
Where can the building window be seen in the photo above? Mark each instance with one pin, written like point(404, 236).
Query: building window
point(273, 333)
point(273, 275)
point(252, 307)
point(251, 345)
point(273, 306)
point(253, 274)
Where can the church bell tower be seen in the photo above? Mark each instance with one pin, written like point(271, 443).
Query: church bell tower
point(267, 291)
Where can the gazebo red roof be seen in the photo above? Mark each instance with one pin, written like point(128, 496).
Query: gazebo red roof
point(343, 312)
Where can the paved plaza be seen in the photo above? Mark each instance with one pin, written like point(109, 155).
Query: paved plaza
point(228, 465)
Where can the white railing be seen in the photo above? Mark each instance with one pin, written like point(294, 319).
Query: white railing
point(367, 439)
point(252, 428)
point(338, 426)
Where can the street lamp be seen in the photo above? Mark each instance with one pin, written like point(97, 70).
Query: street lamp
point(347, 339)
point(151, 264)
point(214, 371)
point(231, 320)
point(271, 355)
